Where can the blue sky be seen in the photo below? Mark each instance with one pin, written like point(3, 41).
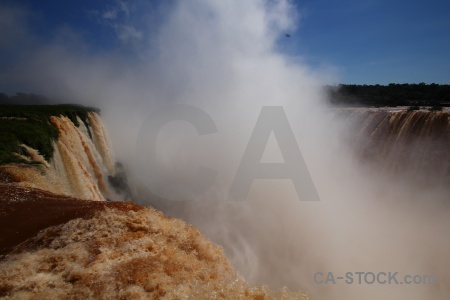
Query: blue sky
point(365, 42)
point(378, 41)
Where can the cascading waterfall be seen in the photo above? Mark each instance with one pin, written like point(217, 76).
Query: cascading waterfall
point(101, 141)
point(394, 139)
point(79, 166)
point(404, 142)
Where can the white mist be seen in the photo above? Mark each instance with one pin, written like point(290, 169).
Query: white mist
point(222, 57)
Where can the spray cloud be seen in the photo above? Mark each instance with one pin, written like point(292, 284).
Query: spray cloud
point(222, 57)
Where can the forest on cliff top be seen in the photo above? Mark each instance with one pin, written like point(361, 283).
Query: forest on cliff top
point(393, 94)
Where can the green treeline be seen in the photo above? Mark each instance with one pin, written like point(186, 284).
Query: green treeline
point(30, 125)
point(393, 94)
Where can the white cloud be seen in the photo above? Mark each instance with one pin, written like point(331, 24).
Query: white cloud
point(128, 33)
point(110, 14)
point(120, 17)
point(124, 7)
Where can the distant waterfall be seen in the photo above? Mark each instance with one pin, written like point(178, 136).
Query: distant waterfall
point(416, 143)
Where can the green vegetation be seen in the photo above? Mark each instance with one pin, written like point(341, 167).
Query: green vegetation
point(35, 134)
point(390, 95)
point(29, 125)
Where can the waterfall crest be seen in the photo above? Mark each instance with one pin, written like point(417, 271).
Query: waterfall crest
point(401, 141)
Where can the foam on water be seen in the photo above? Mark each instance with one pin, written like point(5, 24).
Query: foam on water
point(134, 253)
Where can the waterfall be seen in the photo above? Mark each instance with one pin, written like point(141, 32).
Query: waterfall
point(416, 143)
point(101, 141)
point(82, 160)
